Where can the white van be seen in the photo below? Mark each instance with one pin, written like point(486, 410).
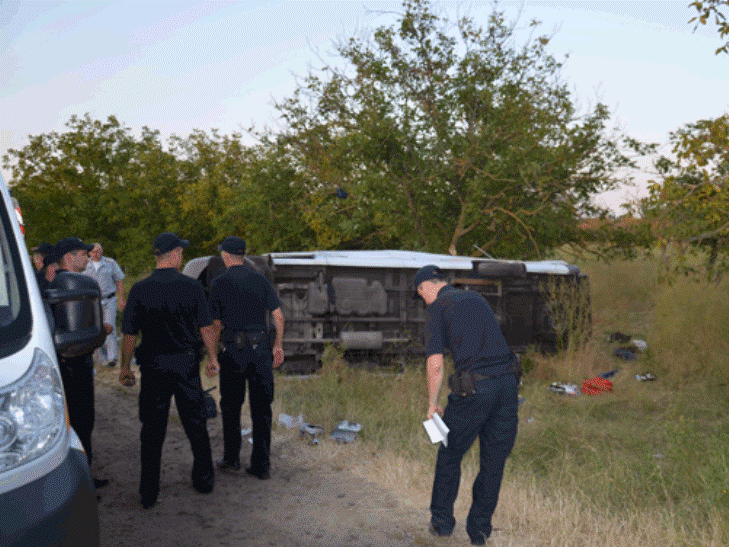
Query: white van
point(47, 495)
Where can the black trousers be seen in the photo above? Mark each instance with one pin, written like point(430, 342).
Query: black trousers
point(491, 416)
point(158, 385)
point(235, 373)
point(77, 374)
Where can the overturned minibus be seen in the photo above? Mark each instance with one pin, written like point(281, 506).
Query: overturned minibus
point(362, 301)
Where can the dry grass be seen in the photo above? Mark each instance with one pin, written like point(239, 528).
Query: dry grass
point(645, 465)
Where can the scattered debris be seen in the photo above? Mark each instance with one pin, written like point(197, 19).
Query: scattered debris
point(640, 345)
point(290, 422)
point(647, 377)
point(346, 432)
point(311, 431)
point(632, 347)
point(596, 386)
point(567, 389)
point(245, 431)
point(619, 337)
point(625, 354)
point(609, 374)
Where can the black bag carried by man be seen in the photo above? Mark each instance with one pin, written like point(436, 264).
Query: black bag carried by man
point(211, 409)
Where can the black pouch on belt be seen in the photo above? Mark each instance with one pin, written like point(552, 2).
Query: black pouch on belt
point(256, 337)
point(462, 383)
point(251, 338)
point(240, 339)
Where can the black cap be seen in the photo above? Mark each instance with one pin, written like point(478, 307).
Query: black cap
point(43, 248)
point(167, 241)
point(233, 245)
point(68, 245)
point(51, 257)
point(426, 273)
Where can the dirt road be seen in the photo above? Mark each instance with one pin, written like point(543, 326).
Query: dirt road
point(308, 501)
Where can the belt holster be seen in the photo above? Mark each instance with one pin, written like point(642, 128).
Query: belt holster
point(240, 340)
point(463, 382)
point(252, 339)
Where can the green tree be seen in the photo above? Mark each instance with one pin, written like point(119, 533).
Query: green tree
point(689, 206)
point(266, 205)
point(98, 182)
point(708, 10)
point(442, 141)
point(210, 169)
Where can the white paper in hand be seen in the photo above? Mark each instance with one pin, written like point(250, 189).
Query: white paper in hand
point(437, 430)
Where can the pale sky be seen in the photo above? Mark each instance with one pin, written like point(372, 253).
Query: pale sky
point(177, 66)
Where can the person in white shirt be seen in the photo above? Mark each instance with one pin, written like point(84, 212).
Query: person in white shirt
point(109, 276)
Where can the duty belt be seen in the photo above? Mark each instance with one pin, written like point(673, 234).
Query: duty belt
point(493, 372)
point(242, 338)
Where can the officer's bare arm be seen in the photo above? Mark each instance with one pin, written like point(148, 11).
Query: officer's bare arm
point(278, 320)
point(120, 294)
point(210, 336)
point(218, 326)
point(434, 366)
point(126, 378)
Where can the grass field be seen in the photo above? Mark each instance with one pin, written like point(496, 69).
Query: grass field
point(646, 465)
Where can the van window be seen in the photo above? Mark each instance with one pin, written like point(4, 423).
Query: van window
point(15, 317)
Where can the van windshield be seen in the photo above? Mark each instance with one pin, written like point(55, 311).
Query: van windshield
point(14, 302)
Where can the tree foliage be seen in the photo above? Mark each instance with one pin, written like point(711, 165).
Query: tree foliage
point(689, 206)
point(432, 136)
point(709, 10)
point(95, 181)
point(443, 141)
point(99, 182)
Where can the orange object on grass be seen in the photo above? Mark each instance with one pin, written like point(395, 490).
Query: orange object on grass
point(597, 385)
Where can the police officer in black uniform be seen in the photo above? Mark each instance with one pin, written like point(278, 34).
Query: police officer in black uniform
point(77, 373)
point(483, 402)
point(49, 265)
point(169, 309)
point(240, 300)
point(39, 252)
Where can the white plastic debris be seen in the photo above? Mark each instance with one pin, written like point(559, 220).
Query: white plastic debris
point(647, 377)
point(567, 389)
point(311, 432)
point(349, 426)
point(289, 421)
point(310, 429)
point(346, 431)
point(640, 345)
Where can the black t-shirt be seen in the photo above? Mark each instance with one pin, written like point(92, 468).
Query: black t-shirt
point(241, 297)
point(169, 309)
point(463, 322)
point(43, 283)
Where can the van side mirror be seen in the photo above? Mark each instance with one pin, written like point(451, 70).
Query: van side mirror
point(79, 320)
